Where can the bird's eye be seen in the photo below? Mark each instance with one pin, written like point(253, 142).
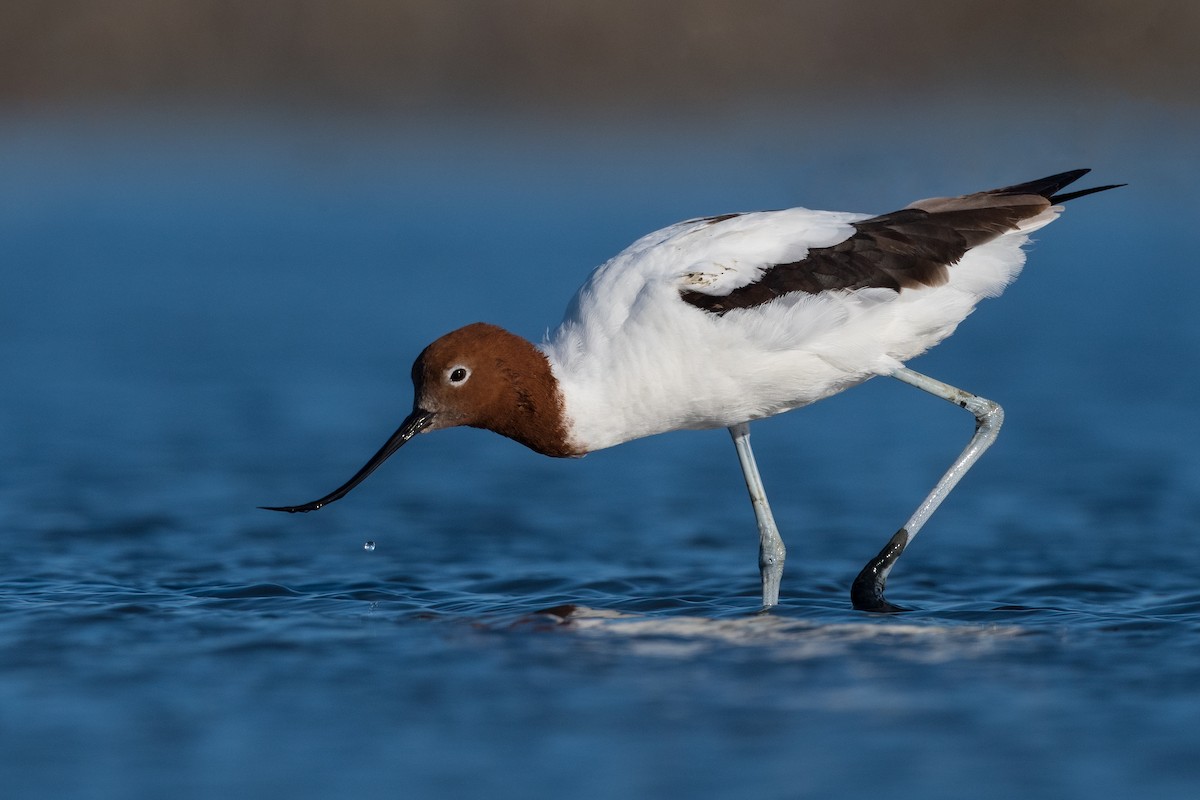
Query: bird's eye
point(458, 374)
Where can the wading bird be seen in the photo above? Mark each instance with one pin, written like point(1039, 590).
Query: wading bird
point(723, 320)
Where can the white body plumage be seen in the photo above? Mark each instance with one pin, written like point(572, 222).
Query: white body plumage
point(632, 359)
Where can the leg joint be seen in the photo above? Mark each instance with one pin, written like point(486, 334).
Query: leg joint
point(989, 415)
point(771, 551)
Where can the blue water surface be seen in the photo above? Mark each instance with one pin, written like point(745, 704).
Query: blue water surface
point(202, 314)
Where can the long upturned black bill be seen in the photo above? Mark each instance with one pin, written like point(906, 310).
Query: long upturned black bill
point(416, 422)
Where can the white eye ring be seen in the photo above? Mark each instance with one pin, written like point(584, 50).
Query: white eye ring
point(457, 375)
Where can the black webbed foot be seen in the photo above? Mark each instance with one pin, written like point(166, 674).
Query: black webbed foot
point(866, 593)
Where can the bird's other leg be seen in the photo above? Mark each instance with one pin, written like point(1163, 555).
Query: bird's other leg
point(771, 552)
point(867, 591)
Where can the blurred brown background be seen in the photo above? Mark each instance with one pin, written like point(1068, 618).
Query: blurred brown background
point(531, 54)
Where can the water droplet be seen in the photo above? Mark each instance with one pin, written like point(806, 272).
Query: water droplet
point(368, 546)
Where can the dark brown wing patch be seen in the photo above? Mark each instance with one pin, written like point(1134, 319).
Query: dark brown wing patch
point(905, 249)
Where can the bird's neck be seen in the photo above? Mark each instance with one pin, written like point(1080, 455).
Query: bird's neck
point(532, 410)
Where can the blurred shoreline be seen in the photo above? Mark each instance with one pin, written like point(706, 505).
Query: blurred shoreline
point(559, 57)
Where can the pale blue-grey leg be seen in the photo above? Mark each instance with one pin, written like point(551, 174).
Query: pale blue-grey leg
point(771, 552)
point(867, 592)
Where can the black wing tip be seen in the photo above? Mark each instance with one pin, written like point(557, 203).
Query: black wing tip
point(1049, 186)
point(1062, 198)
point(1046, 186)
